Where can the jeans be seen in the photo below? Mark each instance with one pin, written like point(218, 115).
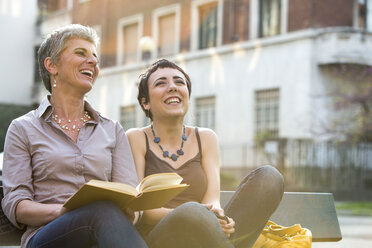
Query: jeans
point(253, 203)
point(193, 225)
point(99, 224)
point(189, 225)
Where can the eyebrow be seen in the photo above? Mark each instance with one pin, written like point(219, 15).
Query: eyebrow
point(175, 77)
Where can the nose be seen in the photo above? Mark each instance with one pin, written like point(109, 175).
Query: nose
point(172, 86)
point(92, 59)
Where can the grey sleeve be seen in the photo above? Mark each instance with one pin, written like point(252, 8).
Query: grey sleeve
point(123, 168)
point(17, 171)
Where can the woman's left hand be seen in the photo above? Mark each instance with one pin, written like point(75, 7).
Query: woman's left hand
point(129, 213)
point(227, 223)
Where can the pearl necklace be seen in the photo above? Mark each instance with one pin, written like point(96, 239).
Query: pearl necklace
point(72, 125)
point(180, 152)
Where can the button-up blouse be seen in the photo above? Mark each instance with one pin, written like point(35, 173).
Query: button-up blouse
point(43, 164)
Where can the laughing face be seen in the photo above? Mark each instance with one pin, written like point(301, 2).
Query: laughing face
point(168, 93)
point(77, 67)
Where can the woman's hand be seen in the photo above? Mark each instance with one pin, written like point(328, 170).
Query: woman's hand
point(227, 223)
point(130, 214)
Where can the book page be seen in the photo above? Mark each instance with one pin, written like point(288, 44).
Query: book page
point(159, 181)
point(88, 194)
point(120, 187)
point(156, 198)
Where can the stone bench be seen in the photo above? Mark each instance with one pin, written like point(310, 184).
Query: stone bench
point(315, 211)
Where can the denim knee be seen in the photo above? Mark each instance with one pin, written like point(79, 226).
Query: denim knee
point(105, 210)
point(191, 214)
point(189, 225)
point(272, 179)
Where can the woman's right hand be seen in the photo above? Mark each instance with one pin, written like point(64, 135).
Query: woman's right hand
point(227, 224)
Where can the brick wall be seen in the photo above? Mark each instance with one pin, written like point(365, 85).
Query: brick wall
point(304, 14)
point(330, 13)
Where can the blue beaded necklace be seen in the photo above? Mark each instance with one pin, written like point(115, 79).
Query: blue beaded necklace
point(180, 152)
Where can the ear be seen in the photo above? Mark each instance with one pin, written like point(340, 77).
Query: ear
point(146, 105)
point(50, 66)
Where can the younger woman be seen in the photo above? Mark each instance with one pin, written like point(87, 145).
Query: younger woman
point(194, 218)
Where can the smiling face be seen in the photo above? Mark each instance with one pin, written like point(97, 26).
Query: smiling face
point(77, 68)
point(168, 93)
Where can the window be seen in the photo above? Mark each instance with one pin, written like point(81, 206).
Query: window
point(364, 14)
point(267, 111)
point(130, 43)
point(166, 29)
point(98, 29)
point(56, 5)
point(167, 41)
point(270, 16)
point(208, 25)
point(129, 33)
point(205, 112)
point(128, 117)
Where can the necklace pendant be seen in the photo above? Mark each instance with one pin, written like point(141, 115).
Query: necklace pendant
point(174, 157)
point(180, 152)
point(165, 154)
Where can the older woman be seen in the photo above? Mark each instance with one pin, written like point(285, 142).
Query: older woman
point(194, 218)
point(52, 151)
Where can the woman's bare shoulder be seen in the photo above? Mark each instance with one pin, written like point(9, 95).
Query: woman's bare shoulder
point(136, 134)
point(206, 133)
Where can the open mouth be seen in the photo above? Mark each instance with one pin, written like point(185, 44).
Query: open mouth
point(87, 73)
point(173, 100)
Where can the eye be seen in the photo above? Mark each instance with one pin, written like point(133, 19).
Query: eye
point(80, 53)
point(159, 83)
point(180, 82)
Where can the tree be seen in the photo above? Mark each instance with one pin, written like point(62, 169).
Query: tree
point(350, 94)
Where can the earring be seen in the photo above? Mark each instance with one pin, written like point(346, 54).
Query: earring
point(55, 83)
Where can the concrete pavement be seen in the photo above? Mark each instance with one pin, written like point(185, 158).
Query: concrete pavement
point(356, 233)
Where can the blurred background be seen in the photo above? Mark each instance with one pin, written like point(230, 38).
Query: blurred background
point(281, 82)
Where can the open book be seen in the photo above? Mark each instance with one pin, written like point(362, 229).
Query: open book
point(154, 191)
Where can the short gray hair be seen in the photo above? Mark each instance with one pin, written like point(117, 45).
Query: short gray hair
point(55, 43)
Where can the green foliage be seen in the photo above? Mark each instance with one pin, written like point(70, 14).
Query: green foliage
point(356, 208)
point(8, 113)
point(228, 181)
point(350, 91)
point(261, 137)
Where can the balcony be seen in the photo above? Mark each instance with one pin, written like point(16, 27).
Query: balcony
point(343, 46)
point(53, 20)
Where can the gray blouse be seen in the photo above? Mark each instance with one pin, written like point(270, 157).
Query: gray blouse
point(43, 164)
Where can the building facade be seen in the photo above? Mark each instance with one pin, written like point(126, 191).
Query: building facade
point(260, 69)
point(17, 26)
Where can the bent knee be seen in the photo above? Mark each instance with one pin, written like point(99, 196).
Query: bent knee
point(272, 180)
point(271, 173)
point(189, 209)
point(190, 213)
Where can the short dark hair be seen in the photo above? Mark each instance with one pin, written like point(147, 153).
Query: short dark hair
point(143, 87)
